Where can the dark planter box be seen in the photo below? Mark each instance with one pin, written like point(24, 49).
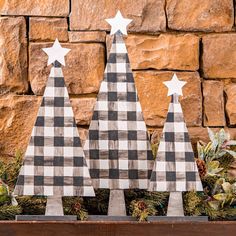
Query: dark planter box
point(125, 228)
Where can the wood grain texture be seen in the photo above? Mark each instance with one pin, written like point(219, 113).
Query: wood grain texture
point(116, 229)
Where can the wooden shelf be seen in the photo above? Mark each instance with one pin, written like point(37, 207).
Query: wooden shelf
point(87, 228)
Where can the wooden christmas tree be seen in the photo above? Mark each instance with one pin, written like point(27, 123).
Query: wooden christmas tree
point(118, 149)
point(175, 170)
point(54, 163)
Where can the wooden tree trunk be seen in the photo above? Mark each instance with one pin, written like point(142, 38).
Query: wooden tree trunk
point(54, 212)
point(175, 205)
point(117, 203)
point(54, 206)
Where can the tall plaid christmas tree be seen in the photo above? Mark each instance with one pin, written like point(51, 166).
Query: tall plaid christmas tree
point(54, 163)
point(118, 149)
point(175, 169)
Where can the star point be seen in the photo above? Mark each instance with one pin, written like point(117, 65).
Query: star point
point(56, 53)
point(119, 23)
point(175, 86)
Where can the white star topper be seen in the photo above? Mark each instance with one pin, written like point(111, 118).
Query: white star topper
point(56, 53)
point(118, 23)
point(175, 86)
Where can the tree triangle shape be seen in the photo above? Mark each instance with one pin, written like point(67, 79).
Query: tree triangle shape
point(175, 169)
point(118, 148)
point(54, 163)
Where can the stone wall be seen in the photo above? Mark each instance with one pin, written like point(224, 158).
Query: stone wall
point(196, 39)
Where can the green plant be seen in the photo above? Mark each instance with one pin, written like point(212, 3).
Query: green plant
point(223, 194)
point(214, 162)
point(32, 205)
point(154, 147)
point(218, 154)
point(219, 145)
point(8, 175)
point(193, 203)
point(141, 209)
point(97, 205)
point(9, 171)
point(4, 193)
point(75, 206)
point(141, 204)
point(198, 204)
point(9, 212)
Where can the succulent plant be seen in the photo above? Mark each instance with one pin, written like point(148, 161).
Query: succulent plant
point(224, 194)
point(214, 153)
point(219, 145)
point(213, 168)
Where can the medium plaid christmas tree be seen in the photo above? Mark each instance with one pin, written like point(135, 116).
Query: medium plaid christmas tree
point(175, 169)
point(118, 149)
point(54, 163)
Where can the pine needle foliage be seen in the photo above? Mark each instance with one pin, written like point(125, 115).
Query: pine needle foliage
point(141, 209)
point(75, 206)
point(9, 171)
point(192, 203)
point(32, 205)
point(141, 204)
point(98, 205)
point(8, 212)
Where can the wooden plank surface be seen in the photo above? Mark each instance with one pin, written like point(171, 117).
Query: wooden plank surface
point(116, 229)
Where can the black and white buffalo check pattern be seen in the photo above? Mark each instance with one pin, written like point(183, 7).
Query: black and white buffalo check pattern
point(54, 162)
point(175, 169)
point(118, 149)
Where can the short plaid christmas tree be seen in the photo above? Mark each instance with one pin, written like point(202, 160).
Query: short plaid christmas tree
point(118, 149)
point(175, 169)
point(54, 163)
